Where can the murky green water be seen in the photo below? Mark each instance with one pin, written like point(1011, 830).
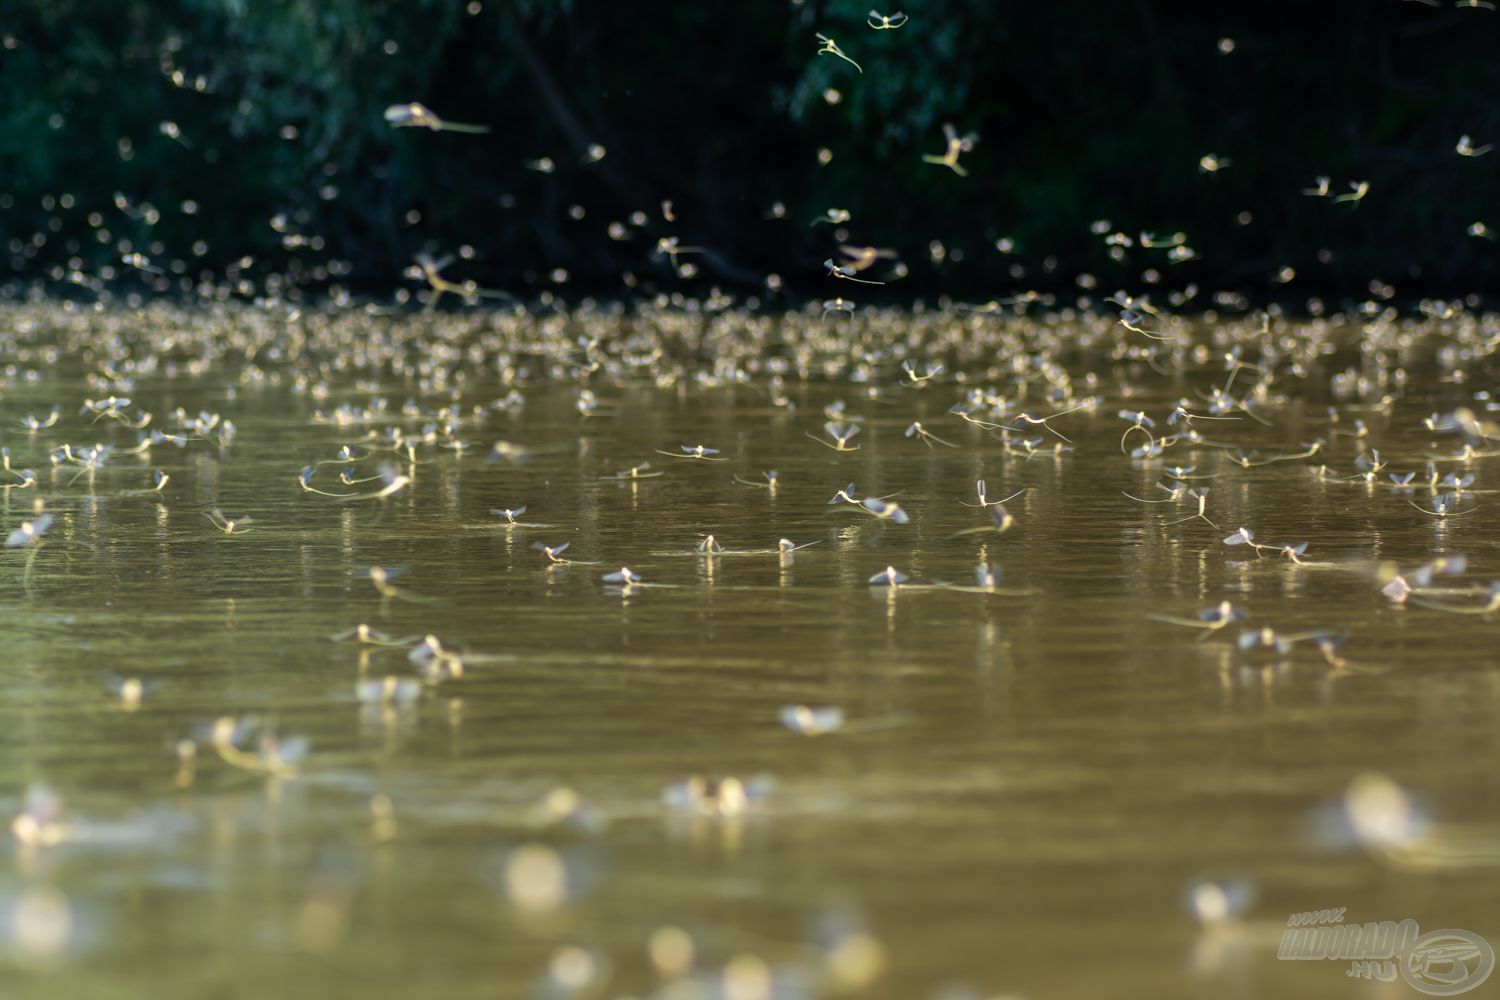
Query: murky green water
point(1025, 792)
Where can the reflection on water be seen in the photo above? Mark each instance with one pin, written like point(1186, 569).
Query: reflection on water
point(735, 766)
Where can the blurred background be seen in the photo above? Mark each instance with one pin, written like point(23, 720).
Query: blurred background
point(196, 132)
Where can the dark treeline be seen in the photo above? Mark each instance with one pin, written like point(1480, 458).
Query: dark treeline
point(204, 130)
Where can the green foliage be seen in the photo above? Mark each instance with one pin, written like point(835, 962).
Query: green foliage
point(1083, 115)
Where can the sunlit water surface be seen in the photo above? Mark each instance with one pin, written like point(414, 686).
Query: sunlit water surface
point(1026, 791)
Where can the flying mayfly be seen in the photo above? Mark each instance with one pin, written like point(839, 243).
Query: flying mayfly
point(956, 145)
point(416, 115)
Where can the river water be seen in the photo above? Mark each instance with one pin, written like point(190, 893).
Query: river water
point(1044, 791)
